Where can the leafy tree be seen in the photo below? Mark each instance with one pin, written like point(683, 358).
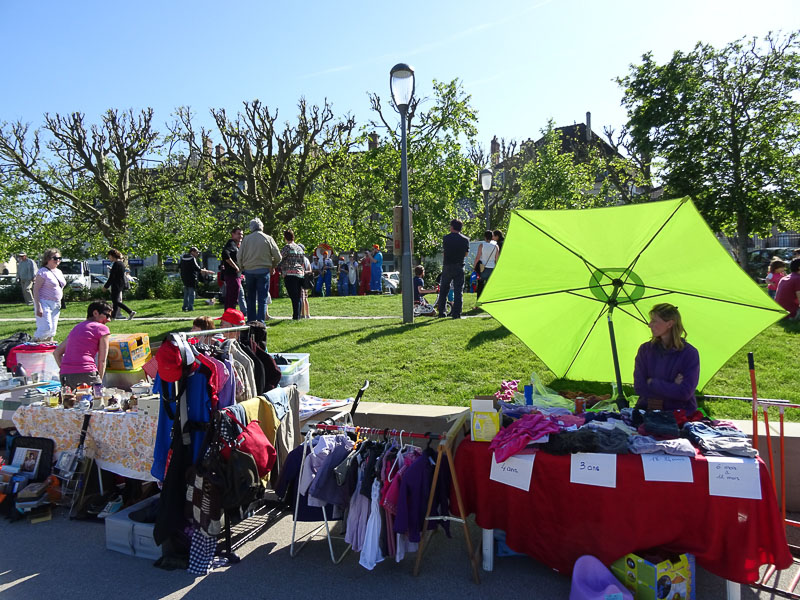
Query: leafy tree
point(264, 168)
point(725, 125)
point(94, 172)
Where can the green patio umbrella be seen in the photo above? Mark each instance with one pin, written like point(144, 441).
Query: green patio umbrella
point(577, 286)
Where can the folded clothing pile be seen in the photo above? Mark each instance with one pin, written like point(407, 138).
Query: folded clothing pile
point(720, 440)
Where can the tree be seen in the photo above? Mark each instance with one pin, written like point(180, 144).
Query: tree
point(440, 173)
point(265, 168)
point(725, 126)
point(93, 172)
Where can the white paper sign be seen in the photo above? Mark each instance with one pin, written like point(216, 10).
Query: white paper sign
point(733, 477)
point(516, 471)
point(592, 468)
point(664, 467)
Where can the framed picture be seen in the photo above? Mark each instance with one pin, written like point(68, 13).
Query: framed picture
point(27, 459)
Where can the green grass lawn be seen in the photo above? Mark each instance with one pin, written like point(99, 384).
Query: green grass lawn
point(435, 361)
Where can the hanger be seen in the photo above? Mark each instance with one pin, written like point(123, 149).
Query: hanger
point(397, 459)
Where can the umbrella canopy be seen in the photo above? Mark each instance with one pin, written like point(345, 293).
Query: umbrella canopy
point(557, 272)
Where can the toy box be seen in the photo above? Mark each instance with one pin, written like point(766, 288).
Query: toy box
point(651, 576)
point(129, 537)
point(128, 352)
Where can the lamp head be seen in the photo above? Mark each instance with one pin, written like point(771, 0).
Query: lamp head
point(401, 82)
point(486, 179)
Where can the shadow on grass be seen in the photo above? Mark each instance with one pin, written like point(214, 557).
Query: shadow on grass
point(327, 338)
point(395, 330)
point(597, 388)
point(789, 326)
point(491, 335)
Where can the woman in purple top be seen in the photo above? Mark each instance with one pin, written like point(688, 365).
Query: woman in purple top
point(76, 354)
point(48, 289)
point(667, 367)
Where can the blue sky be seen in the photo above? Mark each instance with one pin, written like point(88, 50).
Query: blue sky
point(522, 62)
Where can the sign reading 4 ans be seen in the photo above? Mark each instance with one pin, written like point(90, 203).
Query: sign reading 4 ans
point(591, 468)
point(515, 471)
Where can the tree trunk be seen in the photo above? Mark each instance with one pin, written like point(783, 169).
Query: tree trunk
point(742, 235)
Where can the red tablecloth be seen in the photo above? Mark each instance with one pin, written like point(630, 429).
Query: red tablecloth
point(556, 521)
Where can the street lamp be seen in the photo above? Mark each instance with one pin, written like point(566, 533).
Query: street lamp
point(486, 184)
point(401, 83)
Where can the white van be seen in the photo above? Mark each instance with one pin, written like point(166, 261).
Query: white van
point(77, 274)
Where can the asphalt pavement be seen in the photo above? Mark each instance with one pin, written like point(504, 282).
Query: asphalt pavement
point(61, 558)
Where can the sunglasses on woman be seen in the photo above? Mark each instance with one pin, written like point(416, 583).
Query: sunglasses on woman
point(55, 258)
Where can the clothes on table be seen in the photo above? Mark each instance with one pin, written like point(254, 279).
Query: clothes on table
point(645, 444)
point(715, 441)
point(510, 440)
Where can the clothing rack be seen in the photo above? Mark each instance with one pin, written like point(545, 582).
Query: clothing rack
point(293, 552)
point(444, 451)
point(274, 512)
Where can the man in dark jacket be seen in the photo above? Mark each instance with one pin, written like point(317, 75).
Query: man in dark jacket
point(190, 271)
point(455, 247)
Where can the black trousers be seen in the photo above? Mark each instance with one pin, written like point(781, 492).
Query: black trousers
point(294, 287)
point(116, 302)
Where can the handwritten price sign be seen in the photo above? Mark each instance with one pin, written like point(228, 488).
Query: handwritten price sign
point(590, 468)
point(516, 471)
point(663, 467)
point(733, 477)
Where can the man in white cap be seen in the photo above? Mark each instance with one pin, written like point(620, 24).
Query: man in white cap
point(26, 271)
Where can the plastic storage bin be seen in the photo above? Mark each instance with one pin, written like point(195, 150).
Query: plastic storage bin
point(129, 537)
point(298, 371)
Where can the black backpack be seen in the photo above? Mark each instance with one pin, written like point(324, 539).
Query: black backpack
point(10, 342)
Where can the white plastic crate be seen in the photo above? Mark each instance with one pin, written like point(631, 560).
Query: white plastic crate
point(298, 371)
point(301, 378)
point(129, 537)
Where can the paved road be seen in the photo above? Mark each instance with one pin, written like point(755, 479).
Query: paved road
point(67, 559)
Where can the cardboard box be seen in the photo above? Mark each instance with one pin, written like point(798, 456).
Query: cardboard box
point(657, 578)
point(128, 352)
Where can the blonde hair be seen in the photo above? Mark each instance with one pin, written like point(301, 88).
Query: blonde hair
point(669, 312)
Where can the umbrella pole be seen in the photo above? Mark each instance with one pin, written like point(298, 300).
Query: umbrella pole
point(620, 399)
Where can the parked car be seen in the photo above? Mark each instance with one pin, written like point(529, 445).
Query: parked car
point(98, 281)
point(8, 280)
point(391, 281)
point(758, 260)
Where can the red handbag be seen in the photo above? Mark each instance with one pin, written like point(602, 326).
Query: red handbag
point(252, 441)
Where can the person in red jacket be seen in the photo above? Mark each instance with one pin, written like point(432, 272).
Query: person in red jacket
point(366, 273)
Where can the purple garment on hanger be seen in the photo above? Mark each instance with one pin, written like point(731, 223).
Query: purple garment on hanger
point(227, 391)
point(519, 434)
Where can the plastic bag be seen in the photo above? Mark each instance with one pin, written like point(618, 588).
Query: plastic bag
point(544, 396)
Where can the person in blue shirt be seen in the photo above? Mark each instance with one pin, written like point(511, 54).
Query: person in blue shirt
point(375, 283)
point(419, 284)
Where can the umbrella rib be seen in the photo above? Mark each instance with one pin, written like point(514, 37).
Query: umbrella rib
point(629, 270)
point(633, 316)
point(588, 333)
point(569, 291)
point(568, 249)
point(715, 299)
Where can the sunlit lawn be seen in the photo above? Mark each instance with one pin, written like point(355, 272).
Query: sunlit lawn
point(435, 361)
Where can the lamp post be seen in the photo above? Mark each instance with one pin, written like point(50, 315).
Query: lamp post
point(401, 80)
point(486, 184)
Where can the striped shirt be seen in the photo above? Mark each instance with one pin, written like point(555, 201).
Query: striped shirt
point(53, 282)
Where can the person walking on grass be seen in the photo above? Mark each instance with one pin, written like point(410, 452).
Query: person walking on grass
point(26, 271)
point(190, 271)
point(117, 283)
point(48, 289)
point(485, 260)
point(293, 268)
point(230, 258)
point(257, 255)
point(455, 247)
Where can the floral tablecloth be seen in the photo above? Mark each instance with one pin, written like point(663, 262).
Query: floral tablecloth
point(119, 442)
